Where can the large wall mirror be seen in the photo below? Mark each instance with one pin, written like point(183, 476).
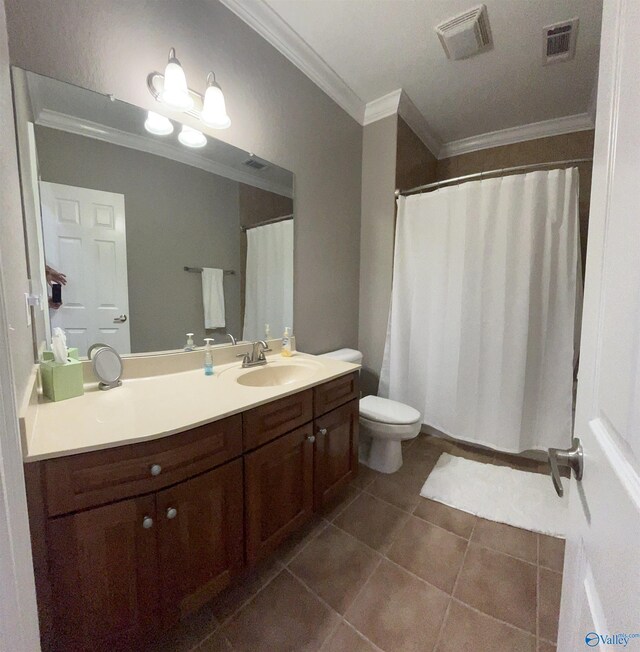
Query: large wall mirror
point(147, 239)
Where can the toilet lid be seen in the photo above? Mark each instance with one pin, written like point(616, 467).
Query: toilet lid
point(384, 410)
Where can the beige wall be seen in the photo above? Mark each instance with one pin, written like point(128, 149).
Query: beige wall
point(542, 150)
point(415, 164)
point(276, 112)
point(176, 215)
point(376, 243)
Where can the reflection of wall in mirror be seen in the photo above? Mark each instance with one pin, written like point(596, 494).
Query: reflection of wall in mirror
point(177, 215)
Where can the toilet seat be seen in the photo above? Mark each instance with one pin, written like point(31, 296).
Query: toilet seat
point(386, 411)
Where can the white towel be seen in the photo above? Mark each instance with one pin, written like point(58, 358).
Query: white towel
point(213, 297)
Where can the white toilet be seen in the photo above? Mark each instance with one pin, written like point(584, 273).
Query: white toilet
point(384, 424)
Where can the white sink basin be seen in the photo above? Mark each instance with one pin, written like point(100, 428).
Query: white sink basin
point(272, 375)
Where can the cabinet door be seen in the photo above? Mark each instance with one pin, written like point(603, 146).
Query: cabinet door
point(103, 570)
point(336, 457)
point(278, 491)
point(200, 534)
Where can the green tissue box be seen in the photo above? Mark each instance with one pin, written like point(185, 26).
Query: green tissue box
point(71, 353)
point(61, 381)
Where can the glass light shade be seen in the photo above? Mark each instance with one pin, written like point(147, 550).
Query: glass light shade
point(157, 124)
point(175, 92)
point(214, 111)
point(190, 137)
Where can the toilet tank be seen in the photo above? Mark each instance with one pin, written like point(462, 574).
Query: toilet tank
point(348, 355)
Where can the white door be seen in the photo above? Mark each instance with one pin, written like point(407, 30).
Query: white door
point(85, 238)
point(601, 586)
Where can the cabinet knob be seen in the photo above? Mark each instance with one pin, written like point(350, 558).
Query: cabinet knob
point(155, 469)
point(172, 512)
point(322, 431)
point(311, 438)
point(147, 522)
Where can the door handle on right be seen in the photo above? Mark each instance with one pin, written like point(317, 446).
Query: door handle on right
point(571, 457)
point(120, 320)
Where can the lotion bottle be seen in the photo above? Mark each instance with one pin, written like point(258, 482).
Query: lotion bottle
point(286, 344)
point(208, 358)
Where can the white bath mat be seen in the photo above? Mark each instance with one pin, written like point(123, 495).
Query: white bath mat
point(498, 493)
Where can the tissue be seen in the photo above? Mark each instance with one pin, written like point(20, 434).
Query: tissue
point(59, 345)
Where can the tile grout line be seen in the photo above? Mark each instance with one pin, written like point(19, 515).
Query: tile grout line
point(455, 584)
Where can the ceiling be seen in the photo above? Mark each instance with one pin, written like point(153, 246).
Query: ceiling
point(359, 51)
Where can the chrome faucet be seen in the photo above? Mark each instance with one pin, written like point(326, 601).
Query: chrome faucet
point(256, 357)
point(232, 338)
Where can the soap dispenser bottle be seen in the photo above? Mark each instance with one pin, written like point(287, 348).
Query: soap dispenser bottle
point(286, 344)
point(208, 357)
point(189, 346)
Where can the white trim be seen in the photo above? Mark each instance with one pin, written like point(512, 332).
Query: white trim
point(410, 113)
point(555, 127)
point(382, 107)
point(81, 127)
point(264, 20)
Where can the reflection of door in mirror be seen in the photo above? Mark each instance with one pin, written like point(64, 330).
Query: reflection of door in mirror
point(85, 238)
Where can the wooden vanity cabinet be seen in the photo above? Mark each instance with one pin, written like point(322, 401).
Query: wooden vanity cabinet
point(104, 578)
point(200, 539)
point(336, 452)
point(128, 540)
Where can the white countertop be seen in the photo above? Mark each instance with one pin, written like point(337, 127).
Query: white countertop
point(148, 408)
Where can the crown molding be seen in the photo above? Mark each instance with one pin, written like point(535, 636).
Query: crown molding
point(544, 129)
point(81, 127)
point(382, 107)
point(264, 20)
point(414, 118)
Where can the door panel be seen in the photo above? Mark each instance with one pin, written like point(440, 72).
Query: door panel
point(278, 491)
point(602, 562)
point(104, 576)
point(201, 541)
point(85, 238)
point(336, 455)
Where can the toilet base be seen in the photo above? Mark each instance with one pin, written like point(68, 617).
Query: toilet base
point(385, 456)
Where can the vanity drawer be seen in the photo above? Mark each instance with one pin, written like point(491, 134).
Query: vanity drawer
point(76, 482)
point(264, 423)
point(335, 393)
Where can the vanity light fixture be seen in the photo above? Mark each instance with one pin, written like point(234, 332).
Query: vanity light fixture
point(171, 89)
point(157, 124)
point(175, 92)
point(214, 110)
point(190, 137)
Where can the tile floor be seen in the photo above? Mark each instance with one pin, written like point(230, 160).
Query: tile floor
point(385, 569)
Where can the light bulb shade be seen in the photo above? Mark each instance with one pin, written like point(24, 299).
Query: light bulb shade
point(157, 124)
point(175, 92)
point(190, 137)
point(214, 111)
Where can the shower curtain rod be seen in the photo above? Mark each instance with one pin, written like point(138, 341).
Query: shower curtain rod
point(481, 175)
point(284, 218)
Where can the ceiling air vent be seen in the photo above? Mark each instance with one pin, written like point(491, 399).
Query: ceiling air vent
point(254, 163)
point(559, 41)
point(466, 34)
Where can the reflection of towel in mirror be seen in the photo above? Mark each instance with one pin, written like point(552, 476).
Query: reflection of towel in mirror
point(213, 297)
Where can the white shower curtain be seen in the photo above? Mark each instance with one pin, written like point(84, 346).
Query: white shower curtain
point(486, 289)
point(269, 280)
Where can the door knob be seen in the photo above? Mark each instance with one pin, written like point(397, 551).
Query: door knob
point(147, 522)
point(155, 469)
point(322, 431)
point(571, 457)
point(120, 320)
point(172, 512)
point(311, 438)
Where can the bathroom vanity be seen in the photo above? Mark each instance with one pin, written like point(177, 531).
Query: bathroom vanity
point(129, 538)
